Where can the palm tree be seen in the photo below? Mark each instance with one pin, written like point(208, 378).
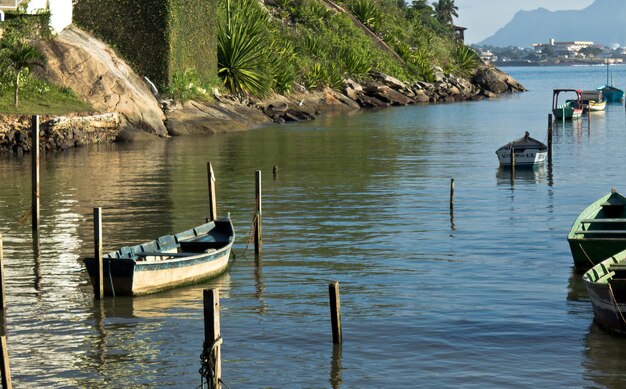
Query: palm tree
point(19, 57)
point(445, 10)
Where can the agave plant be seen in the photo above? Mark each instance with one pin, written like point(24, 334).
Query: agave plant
point(367, 12)
point(240, 49)
point(466, 60)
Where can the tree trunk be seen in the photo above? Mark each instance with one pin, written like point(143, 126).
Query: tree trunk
point(16, 91)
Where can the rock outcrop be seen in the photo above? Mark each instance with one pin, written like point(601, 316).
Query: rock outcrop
point(93, 70)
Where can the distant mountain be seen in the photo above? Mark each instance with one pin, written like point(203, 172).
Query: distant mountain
point(602, 22)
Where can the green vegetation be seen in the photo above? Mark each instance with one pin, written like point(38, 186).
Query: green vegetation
point(21, 92)
point(284, 43)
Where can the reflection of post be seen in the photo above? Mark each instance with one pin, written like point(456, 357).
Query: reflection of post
point(37, 256)
point(4, 364)
point(335, 311)
point(335, 368)
point(212, 338)
point(451, 193)
point(550, 139)
point(258, 240)
point(212, 201)
point(97, 242)
point(512, 163)
point(35, 172)
point(260, 285)
point(3, 303)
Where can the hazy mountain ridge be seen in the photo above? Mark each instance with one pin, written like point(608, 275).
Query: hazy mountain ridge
point(602, 22)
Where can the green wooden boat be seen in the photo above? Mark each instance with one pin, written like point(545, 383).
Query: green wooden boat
point(570, 109)
point(606, 288)
point(172, 260)
point(599, 231)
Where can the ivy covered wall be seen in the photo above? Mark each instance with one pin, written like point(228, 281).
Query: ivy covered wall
point(160, 38)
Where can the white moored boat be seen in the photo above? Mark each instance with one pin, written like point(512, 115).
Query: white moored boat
point(528, 151)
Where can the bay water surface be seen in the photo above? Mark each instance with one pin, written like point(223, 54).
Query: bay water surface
point(484, 296)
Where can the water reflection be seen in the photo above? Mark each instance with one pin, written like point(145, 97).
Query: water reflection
point(335, 367)
point(604, 358)
point(528, 174)
point(260, 285)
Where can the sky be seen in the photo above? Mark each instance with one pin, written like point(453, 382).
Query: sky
point(483, 18)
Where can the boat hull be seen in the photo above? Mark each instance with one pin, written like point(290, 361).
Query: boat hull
point(607, 293)
point(612, 94)
point(599, 231)
point(568, 113)
point(188, 259)
point(527, 157)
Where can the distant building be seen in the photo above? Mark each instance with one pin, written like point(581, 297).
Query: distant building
point(10, 4)
point(487, 56)
point(562, 49)
point(460, 33)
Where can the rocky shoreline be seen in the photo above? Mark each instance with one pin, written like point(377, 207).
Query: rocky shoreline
point(128, 109)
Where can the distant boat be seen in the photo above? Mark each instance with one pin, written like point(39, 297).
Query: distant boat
point(169, 261)
point(606, 288)
point(594, 101)
point(570, 109)
point(528, 151)
point(611, 93)
point(599, 231)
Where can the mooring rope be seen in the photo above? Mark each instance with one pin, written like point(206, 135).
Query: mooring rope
point(251, 233)
point(207, 362)
point(615, 302)
point(584, 252)
point(111, 279)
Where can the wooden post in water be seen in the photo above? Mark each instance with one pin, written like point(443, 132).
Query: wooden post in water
point(451, 193)
point(97, 242)
point(3, 303)
point(212, 201)
point(549, 139)
point(589, 116)
point(335, 311)
point(4, 364)
point(512, 159)
point(258, 240)
point(212, 336)
point(275, 171)
point(35, 172)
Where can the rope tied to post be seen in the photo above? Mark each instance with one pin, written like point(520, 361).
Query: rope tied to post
point(207, 362)
point(251, 233)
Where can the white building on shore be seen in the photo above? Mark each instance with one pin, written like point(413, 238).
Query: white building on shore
point(60, 10)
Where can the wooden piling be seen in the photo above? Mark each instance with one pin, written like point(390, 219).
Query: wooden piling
point(512, 159)
point(35, 172)
point(451, 193)
point(2, 290)
point(550, 139)
point(97, 242)
point(4, 364)
point(275, 171)
point(258, 240)
point(589, 116)
point(212, 200)
point(335, 311)
point(212, 336)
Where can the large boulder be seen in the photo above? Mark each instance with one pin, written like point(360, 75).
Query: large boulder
point(93, 70)
point(494, 80)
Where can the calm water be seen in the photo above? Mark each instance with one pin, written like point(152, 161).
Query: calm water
point(485, 297)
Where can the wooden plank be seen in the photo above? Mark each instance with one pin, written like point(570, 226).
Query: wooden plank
point(601, 232)
point(212, 196)
point(97, 242)
point(335, 311)
point(4, 364)
point(35, 172)
point(2, 290)
point(607, 220)
point(212, 331)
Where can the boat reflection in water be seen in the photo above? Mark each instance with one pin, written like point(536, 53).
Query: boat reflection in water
point(530, 174)
point(604, 356)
